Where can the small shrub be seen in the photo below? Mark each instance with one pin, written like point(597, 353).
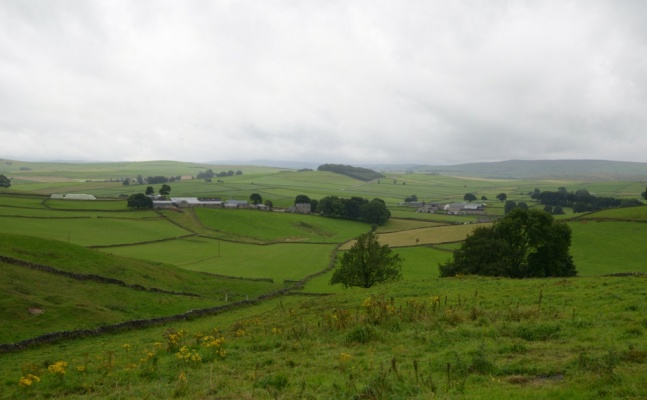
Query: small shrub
point(537, 331)
point(599, 364)
point(361, 334)
point(276, 382)
point(480, 362)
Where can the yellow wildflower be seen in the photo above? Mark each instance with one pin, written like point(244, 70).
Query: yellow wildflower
point(27, 381)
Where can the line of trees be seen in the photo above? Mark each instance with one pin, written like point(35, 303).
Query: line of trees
point(355, 208)
point(363, 174)
point(581, 200)
point(208, 174)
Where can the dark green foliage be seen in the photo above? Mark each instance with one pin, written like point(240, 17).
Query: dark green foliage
point(355, 208)
point(509, 206)
point(411, 198)
point(630, 203)
point(256, 198)
point(165, 190)
point(4, 181)
point(361, 334)
point(363, 174)
point(156, 179)
point(502, 197)
point(537, 331)
point(644, 194)
point(140, 200)
point(525, 243)
point(580, 200)
point(276, 382)
point(208, 174)
point(302, 198)
point(368, 263)
point(149, 190)
point(470, 197)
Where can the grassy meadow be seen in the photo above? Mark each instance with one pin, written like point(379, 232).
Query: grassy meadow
point(419, 338)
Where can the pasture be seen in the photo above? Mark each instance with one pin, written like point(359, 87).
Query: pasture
point(278, 261)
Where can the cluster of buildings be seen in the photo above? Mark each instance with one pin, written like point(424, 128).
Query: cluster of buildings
point(451, 208)
point(188, 202)
point(73, 196)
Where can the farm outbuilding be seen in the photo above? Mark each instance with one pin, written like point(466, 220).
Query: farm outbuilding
point(465, 208)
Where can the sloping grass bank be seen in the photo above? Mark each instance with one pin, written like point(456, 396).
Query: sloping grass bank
point(452, 338)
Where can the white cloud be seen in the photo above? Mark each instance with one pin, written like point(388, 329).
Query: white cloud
point(356, 82)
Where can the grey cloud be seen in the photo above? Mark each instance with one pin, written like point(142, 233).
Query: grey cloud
point(424, 82)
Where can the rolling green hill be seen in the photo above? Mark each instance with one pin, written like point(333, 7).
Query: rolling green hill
point(88, 266)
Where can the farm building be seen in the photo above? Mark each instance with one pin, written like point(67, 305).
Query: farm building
point(186, 202)
point(465, 208)
point(158, 203)
point(73, 196)
point(261, 207)
point(428, 208)
point(236, 204)
point(300, 208)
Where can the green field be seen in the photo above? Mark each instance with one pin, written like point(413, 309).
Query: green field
point(422, 337)
point(280, 227)
point(276, 261)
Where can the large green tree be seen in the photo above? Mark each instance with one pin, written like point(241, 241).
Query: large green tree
point(375, 212)
point(509, 206)
point(165, 190)
point(502, 197)
point(368, 263)
point(525, 243)
point(256, 198)
point(140, 200)
point(302, 198)
point(470, 197)
point(5, 182)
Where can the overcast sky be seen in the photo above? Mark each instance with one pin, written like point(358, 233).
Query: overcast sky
point(357, 82)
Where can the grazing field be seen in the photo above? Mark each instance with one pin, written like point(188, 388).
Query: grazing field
point(280, 227)
point(629, 213)
point(609, 247)
point(424, 236)
point(63, 302)
point(161, 275)
point(276, 261)
point(37, 303)
point(423, 337)
point(94, 231)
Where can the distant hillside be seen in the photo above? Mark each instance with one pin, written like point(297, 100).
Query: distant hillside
point(363, 174)
point(546, 169)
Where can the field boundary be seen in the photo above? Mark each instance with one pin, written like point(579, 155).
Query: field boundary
point(89, 277)
point(133, 324)
point(107, 246)
point(54, 337)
